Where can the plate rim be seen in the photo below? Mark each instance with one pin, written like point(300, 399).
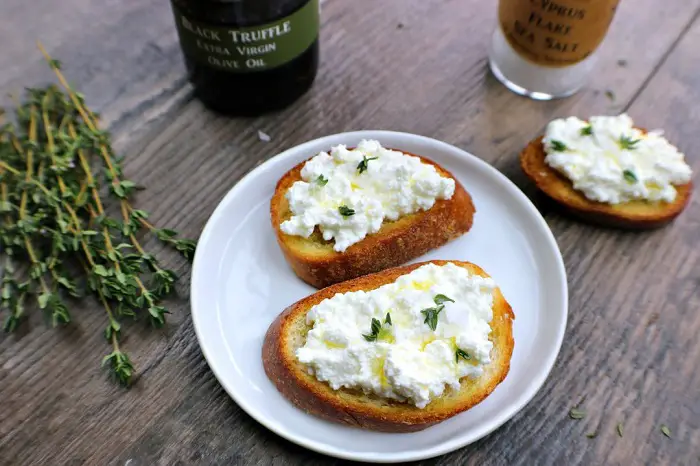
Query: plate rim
point(442, 448)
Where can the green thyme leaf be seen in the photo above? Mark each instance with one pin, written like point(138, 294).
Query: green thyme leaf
point(593, 434)
point(101, 270)
point(321, 180)
point(441, 298)
point(186, 247)
point(166, 234)
point(362, 166)
point(113, 328)
point(68, 285)
point(374, 330)
point(627, 143)
point(620, 429)
point(587, 130)
point(387, 319)
point(157, 314)
point(558, 145)
point(59, 312)
point(376, 325)
point(431, 316)
point(462, 354)
point(6, 292)
point(121, 366)
point(119, 190)
point(346, 211)
point(137, 214)
point(43, 300)
point(665, 430)
point(10, 323)
point(610, 95)
point(577, 414)
point(629, 176)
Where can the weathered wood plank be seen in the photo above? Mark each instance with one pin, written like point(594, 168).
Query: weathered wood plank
point(427, 77)
point(122, 55)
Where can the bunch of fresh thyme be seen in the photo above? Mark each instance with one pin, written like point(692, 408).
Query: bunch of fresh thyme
point(58, 236)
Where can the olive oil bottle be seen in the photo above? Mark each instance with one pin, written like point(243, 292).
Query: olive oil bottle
point(248, 57)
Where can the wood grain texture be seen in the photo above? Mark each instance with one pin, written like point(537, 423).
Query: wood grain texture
point(631, 344)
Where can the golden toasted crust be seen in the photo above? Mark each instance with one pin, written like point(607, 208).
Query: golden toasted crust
point(396, 243)
point(288, 332)
point(634, 215)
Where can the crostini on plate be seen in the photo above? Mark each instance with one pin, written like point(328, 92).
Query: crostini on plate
point(395, 351)
point(353, 211)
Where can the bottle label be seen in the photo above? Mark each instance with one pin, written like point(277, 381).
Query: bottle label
point(249, 49)
point(555, 33)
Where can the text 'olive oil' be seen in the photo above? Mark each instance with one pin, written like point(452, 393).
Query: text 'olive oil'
point(247, 57)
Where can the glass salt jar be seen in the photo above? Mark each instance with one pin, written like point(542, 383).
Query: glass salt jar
point(545, 49)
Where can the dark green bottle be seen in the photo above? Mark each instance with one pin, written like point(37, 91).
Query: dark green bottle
point(248, 57)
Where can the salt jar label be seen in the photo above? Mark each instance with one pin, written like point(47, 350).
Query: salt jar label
point(555, 34)
point(249, 49)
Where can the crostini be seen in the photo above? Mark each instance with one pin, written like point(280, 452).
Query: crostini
point(609, 172)
point(395, 351)
point(353, 211)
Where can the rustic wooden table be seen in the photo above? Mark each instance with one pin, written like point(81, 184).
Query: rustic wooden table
point(420, 66)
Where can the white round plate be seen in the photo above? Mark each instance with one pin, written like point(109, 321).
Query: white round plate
point(241, 282)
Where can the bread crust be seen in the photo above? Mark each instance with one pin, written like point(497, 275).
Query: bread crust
point(372, 412)
point(396, 243)
point(629, 215)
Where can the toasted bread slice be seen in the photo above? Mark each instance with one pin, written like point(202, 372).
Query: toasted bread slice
point(633, 215)
point(288, 332)
point(316, 262)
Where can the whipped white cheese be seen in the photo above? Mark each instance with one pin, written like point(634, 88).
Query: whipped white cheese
point(348, 193)
point(408, 360)
point(610, 161)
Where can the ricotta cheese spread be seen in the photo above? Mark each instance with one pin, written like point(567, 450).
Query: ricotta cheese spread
point(611, 161)
point(407, 340)
point(348, 193)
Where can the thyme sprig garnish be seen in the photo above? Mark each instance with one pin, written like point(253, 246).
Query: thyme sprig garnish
point(362, 166)
point(459, 353)
point(346, 211)
point(558, 145)
point(627, 143)
point(431, 314)
point(376, 328)
point(629, 176)
point(58, 236)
